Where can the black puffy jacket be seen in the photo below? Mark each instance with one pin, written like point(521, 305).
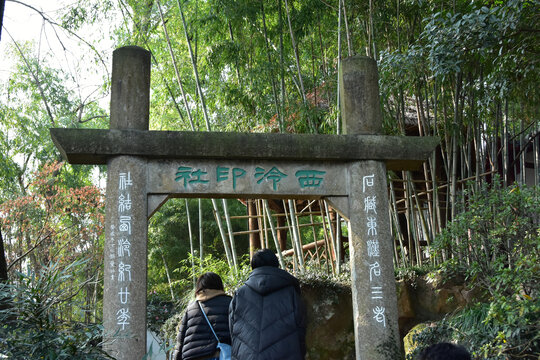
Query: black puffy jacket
point(267, 317)
point(195, 339)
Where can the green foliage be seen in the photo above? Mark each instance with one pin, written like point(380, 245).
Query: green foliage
point(158, 310)
point(317, 273)
point(42, 225)
point(169, 242)
point(36, 98)
point(495, 242)
point(29, 318)
point(488, 50)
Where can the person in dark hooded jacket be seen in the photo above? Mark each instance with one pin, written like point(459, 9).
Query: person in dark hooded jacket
point(267, 314)
point(195, 340)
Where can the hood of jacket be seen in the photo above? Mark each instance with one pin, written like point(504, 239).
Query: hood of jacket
point(208, 294)
point(268, 279)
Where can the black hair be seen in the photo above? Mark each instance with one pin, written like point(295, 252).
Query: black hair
point(264, 257)
point(444, 351)
point(209, 280)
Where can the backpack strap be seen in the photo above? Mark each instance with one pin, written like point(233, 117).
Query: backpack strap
point(208, 321)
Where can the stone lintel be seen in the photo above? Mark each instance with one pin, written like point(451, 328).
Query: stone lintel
point(95, 146)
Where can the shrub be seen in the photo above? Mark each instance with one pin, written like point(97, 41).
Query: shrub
point(495, 242)
point(29, 319)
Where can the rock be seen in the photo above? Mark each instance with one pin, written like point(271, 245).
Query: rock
point(330, 331)
point(406, 311)
point(408, 343)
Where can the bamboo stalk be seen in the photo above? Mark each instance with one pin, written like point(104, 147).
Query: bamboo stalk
point(200, 232)
point(298, 68)
point(272, 75)
point(265, 225)
point(206, 119)
point(396, 224)
point(282, 68)
point(222, 233)
point(315, 244)
point(393, 236)
point(421, 217)
point(350, 50)
point(314, 236)
point(289, 222)
point(329, 250)
point(505, 144)
point(333, 238)
point(339, 239)
point(191, 249)
point(262, 235)
point(338, 101)
point(413, 221)
point(194, 66)
point(177, 73)
point(296, 235)
point(274, 233)
point(231, 236)
point(169, 276)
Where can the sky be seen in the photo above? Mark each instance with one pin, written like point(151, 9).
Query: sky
point(22, 23)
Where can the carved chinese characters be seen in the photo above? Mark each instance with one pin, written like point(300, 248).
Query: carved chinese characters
point(247, 178)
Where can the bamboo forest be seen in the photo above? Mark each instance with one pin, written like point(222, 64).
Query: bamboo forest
point(465, 225)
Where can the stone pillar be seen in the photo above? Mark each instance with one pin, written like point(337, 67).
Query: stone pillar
point(124, 294)
point(373, 283)
point(130, 88)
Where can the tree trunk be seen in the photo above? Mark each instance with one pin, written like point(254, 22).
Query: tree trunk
point(3, 262)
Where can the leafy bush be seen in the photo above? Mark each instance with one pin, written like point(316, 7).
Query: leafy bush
point(495, 242)
point(29, 319)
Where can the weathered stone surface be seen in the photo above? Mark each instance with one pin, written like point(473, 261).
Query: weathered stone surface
point(370, 239)
point(361, 109)
point(429, 299)
point(130, 88)
point(372, 267)
point(126, 221)
point(405, 307)
point(330, 333)
point(125, 256)
point(433, 300)
point(94, 146)
point(408, 342)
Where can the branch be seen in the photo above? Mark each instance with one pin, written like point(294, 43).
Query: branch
point(35, 76)
point(14, 262)
point(54, 23)
point(37, 243)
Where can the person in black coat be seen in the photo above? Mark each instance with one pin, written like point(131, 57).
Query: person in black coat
point(267, 314)
point(195, 340)
point(444, 351)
